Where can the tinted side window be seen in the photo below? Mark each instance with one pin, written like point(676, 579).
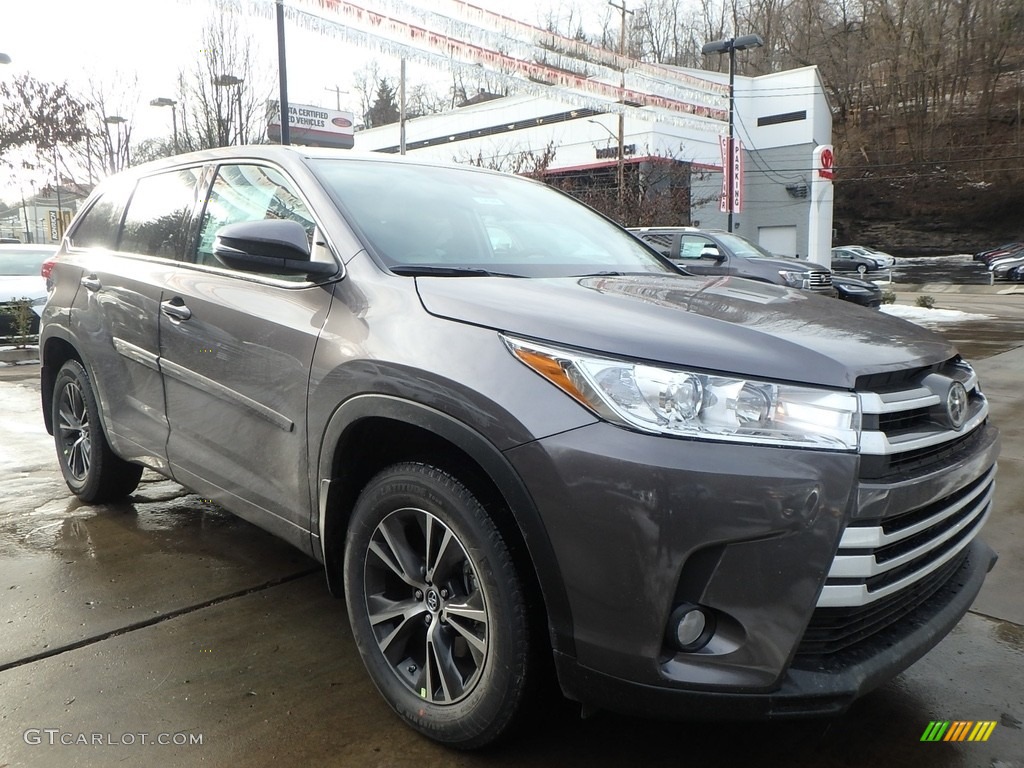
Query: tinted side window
point(249, 193)
point(97, 228)
point(661, 241)
point(156, 223)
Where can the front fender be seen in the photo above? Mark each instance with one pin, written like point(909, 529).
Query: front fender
point(487, 456)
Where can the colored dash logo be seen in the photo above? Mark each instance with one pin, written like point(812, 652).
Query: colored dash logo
point(958, 730)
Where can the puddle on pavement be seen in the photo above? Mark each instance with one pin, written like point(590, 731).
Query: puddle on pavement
point(1008, 633)
point(978, 339)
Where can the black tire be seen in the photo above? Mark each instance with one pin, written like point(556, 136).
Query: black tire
point(427, 562)
point(90, 468)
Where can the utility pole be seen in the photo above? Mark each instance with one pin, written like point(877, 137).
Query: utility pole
point(620, 167)
point(336, 90)
point(401, 109)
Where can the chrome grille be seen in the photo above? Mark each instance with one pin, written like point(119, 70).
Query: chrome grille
point(877, 559)
point(819, 280)
point(914, 427)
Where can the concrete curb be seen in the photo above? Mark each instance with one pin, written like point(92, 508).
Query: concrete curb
point(16, 355)
point(1003, 289)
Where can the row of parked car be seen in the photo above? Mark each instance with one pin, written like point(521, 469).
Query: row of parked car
point(714, 252)
point(1005, 262)
point(698, 251)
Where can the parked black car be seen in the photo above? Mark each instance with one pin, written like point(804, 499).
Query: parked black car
point(862, 292)
point(518, 439)
point(715, 252)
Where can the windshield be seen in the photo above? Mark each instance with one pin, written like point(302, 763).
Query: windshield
point(742, 247)
point(461, 221)
point(23, 261)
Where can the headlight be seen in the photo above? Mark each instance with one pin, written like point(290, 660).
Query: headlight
point(856, 289)
point(683, 403)
point(794, 279)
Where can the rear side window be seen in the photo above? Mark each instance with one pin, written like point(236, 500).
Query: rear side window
point(98, 226)
point(157, 220)
point(249, 193)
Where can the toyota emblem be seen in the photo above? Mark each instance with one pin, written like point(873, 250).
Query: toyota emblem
point(956, 404)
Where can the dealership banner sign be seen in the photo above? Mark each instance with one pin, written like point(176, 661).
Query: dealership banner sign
point(312, 126)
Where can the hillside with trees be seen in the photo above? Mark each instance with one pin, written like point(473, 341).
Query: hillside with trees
point(926, 98)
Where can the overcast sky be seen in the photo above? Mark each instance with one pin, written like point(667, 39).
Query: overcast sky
point(110, 41)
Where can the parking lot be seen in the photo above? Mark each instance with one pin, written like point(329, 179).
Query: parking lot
point(165, 630)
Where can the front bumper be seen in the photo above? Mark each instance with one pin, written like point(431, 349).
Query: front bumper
point(640, 524)
point(826, 690)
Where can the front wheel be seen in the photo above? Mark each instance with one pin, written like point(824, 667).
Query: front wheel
point(91, 469)
point(437, 607)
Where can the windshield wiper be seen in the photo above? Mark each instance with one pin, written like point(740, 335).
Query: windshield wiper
point(427, 270)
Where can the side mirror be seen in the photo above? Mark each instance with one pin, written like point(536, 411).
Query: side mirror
point(711, 254)
point(268, 246)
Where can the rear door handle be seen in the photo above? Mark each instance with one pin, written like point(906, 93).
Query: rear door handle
point(175, 309)
point(91, 282)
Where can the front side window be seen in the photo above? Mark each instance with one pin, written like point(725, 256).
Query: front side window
point(692, 246)
point(249, 193)
point(156, 223)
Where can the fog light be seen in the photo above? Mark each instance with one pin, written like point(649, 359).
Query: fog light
point(689, 627)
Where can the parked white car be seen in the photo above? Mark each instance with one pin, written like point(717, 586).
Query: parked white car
point(21, 278)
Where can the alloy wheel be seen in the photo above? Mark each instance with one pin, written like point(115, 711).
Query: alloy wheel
point(425, 606)
point(74, 430)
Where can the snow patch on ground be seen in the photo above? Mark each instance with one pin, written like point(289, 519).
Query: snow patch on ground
point(931, 317)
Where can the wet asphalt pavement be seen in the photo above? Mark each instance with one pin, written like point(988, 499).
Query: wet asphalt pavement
point(166, 619)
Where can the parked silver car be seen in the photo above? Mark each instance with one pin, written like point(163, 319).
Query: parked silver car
point(518, 438)
point(881, 258)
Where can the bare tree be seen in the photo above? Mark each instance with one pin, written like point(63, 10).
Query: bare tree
point(222, 98)
point(38, 114)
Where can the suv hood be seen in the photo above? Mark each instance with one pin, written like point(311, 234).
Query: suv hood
point(723, 324)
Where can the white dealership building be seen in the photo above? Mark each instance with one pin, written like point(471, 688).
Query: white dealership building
point(783, 120)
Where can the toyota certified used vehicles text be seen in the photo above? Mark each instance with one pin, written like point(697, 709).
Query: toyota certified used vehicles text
point(519, 439)
point(714, 252)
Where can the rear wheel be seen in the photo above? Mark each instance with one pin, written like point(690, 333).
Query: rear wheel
point(437, 607)
point(91, 469)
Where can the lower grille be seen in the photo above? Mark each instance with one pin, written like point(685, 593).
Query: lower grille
point(880, 558)
point(832, 630)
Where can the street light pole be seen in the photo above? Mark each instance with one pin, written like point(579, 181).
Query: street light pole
point(226, 81)
point(163, 101)
point(282, 75)
point(730, 46)
point(115, 154)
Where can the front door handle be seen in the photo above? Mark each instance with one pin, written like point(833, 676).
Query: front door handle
point(175, 309)
point(91, 282)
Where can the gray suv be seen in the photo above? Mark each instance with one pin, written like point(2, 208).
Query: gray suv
point(517, 439)
point(716, 252)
